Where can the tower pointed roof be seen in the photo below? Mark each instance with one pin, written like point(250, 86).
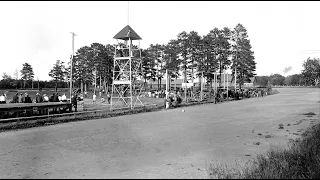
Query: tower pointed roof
point(126, 33)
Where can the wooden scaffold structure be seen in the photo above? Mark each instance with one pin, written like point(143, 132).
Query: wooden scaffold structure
point(127, 83)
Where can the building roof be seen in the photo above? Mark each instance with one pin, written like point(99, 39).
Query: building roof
point(126, 33)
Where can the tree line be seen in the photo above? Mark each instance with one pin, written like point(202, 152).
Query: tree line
point(309, 76)
point(189, 55)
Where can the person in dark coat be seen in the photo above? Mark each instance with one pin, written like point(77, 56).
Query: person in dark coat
point(56, 98)
point(39, 98)
point(108, 97)
point(237, 94)
point(74, 102)
point(15, 98)
point(51, 99)
point(27, 98)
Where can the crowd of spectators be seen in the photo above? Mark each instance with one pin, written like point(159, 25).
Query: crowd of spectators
point(239, 94)
point(25, 98)
point(175, 99)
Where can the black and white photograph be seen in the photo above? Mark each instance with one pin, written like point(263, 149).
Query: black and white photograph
point(159, 90)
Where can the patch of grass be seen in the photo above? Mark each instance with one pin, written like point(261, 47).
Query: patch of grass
point(280, 126)
point(300, 160)
point(220, 170)
point(309, 114)
point(268, 136)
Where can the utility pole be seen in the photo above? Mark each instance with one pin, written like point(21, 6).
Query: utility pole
point(235, 73)
point(185, 87)
point(71, 64)
point(167, 84)
point(95, 79)
point(235, 68)
point(201, 83)
point(227, 86)
point(224, 79)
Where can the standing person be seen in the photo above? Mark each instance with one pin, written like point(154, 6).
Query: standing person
point(108, 97)
point(94, 96)
point(237, 95)
point(85, 94)
point(221, 96)
point(74, 102)
point(100, 93)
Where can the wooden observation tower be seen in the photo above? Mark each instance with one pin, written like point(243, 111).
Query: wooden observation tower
point(127, 83)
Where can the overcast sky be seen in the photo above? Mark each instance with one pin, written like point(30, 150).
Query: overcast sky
point(282, 34)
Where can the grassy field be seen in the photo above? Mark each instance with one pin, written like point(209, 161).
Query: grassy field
point(300, 160)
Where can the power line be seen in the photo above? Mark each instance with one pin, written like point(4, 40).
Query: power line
point(309, 52)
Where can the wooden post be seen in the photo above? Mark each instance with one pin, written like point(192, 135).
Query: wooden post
point(227, 87)
point(202, 81)
point(167, 83)
point(130, 41)
point(224, 80)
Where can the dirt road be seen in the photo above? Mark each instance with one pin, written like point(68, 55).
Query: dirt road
point(163, 144)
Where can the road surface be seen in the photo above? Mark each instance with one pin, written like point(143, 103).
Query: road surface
point(162, 144)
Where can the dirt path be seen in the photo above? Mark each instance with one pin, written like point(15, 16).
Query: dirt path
point(164, 144)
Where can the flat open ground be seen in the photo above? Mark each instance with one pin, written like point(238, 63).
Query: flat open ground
point(162, 144)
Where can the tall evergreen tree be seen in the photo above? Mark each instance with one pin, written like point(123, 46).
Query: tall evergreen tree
point(242, 56)
point(27, 73)
point(58, 72)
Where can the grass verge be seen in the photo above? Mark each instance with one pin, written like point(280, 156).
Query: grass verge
point(299, 160)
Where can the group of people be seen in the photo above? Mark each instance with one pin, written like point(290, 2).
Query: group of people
point(238, 94)
point(174, 99)
point(157, 94)
point(25, 98)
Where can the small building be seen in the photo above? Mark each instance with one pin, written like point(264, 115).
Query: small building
point(153, 84)
point(251, 83)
